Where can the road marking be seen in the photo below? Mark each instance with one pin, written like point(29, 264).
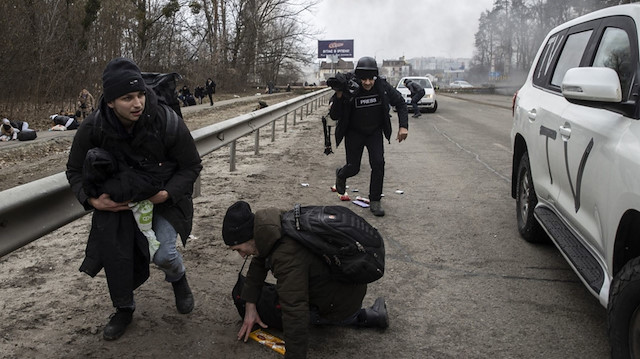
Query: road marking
point(443, 118)
point(502, 147)
point(475, 155)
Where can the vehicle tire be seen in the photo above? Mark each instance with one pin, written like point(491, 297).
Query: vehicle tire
point(624, 312)
point(435, 107)
point(526, 201)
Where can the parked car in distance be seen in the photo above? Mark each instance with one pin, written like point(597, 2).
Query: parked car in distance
point(428, 102)
point(576, 169)
point(460, 84)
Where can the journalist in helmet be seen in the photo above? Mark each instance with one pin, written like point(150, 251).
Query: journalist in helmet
point(361, 106)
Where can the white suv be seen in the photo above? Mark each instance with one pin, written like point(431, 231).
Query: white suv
point(576, 159)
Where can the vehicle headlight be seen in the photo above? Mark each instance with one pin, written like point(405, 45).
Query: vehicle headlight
point(428, 96)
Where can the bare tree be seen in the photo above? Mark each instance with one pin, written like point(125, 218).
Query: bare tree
point(511, 32)
point(63, 45)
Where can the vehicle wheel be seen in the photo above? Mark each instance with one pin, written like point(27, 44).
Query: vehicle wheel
point(435, 107)
point(526, 201)
point(624, 312)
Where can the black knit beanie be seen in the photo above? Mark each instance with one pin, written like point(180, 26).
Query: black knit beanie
point(120, 77)
point(237, 226)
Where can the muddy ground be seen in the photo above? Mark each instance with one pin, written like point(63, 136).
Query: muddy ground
point(50, 309)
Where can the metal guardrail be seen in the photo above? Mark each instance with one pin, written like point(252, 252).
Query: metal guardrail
point(34, 209)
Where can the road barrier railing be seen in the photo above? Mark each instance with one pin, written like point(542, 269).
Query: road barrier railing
point(34, 209)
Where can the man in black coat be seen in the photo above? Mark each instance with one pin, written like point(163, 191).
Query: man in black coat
point(210, 87)
point(147, 135)
point(362, 112)
point(417, 92)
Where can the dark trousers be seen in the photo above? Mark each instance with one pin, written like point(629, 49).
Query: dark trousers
point(354, 147)
point(414, 101)
point(210, 98)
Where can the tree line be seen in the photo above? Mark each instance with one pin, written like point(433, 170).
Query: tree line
point(51, 49)
point(510, 34)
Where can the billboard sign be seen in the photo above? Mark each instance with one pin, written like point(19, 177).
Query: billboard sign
point(340, 48)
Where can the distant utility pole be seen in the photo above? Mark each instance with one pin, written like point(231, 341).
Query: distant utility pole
point(333, 59)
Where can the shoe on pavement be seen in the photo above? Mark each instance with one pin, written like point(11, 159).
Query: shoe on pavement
point(118, 323)
point(376, 316)
point(376, 208)
point(184, 297)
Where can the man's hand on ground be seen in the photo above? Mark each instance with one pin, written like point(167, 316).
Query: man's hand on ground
point(251, 317)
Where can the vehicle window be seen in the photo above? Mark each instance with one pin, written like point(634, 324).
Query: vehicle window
point(614, 52)
point(547, 55)
point(571, 55)
point(427, 84)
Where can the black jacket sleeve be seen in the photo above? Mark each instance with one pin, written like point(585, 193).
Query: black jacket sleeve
point(185, 154)
point(396, 99)
point(82, 142)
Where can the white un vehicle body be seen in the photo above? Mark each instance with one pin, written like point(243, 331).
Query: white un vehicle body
point(576, 159)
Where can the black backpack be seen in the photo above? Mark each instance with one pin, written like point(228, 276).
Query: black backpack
point(27, 135)
point(353, 249)
point(164, 85)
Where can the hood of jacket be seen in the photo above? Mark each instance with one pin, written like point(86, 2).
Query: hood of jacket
point(267, 230)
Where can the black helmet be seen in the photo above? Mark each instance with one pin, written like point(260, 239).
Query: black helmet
point(366, 67)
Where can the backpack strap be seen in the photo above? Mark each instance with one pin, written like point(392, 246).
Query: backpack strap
point(171, 128)
point(297, 211)
point(97, 128)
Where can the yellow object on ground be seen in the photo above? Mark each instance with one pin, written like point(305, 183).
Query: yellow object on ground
point(269, 340)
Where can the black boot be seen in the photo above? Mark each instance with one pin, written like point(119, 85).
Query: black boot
point(118, 323)
point(376, 316)
point(341, 183)
point(376, 208)
point(184, 297)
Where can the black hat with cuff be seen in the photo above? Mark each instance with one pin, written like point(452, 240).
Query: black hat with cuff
point(120, 77)
point(237, 226)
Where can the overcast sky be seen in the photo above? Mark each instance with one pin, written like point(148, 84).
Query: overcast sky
point(389, 29)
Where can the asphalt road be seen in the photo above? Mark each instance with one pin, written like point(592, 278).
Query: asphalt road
point(459, 281)
point(485, 292)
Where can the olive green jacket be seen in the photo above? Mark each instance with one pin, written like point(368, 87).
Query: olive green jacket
point(303, 281)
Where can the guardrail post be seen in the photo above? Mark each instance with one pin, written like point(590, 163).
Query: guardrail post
point(295, 114)
point(285, 122)
point(232, 156)
point(256, 145)
point(273, 131)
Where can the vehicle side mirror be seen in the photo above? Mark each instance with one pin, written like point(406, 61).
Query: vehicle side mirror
point(592, 84)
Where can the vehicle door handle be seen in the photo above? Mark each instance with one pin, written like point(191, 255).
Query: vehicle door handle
point(565, 131)
point(532, 114)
